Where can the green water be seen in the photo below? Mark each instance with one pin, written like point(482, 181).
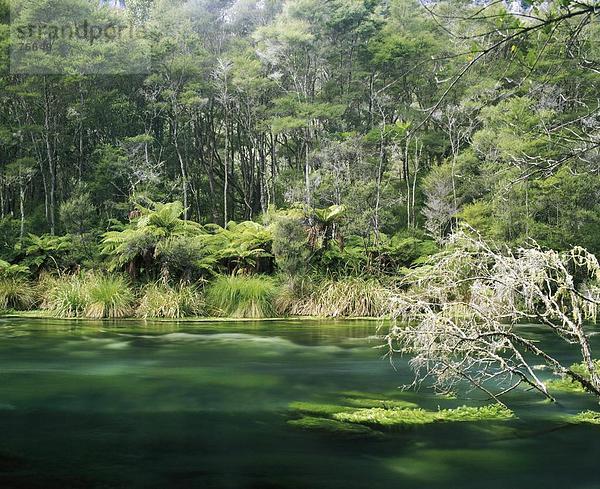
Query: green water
point(129, 405)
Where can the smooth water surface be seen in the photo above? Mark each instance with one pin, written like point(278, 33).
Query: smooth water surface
point(205, 405)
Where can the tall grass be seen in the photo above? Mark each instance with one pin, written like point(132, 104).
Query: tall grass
point(110, 296)
point(242, 296)
point(164, 301)
point(16, 293)
point(89, 295)
point(345, 297)
point(64, 296)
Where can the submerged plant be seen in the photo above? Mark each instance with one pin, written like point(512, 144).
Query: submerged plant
point(378, 414)
point(164, 301)
point(334, 427)
point(589, 417)
point(567, 384)
point(242, 296)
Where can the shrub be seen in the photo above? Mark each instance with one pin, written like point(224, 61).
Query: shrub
point(290, 245)
point(109, 297)
point(16, 293)
point(243, 296)
point(164, 301)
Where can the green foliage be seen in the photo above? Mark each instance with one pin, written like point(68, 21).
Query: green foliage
point(16, 293)
point(109, 296)
point(136, 247)
point(90, 295)
point(405, 417)
point(586, 417)
point(344, 297)
point(46, 252)
point(290, 245)
point(78, 214)
point(164, 301)
point(65, 296)
point(8, 270)
point(567, 384)
point(240, 296)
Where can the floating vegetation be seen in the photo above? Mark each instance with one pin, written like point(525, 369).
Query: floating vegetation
point(388, 417)
point(586, 417)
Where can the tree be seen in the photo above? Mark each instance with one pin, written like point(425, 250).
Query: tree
point(460, 318)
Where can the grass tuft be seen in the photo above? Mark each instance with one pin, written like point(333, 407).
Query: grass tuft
point(346, 297)
point(65, 296)
point(242, 296)
point(88, 295)
point(16, 293)
point(164, 301)
point(109, 297)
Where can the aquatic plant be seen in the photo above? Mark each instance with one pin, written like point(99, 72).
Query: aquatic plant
point(164, 301)
point(380, 403)
point(109, 296)
point(589, 417)
point(319, 409)
point(241, 296)
point(412, 416)
point(16, 293)
point(567, 384)
point(335, 427)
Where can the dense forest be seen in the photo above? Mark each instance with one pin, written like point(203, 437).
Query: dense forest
point(345, 138)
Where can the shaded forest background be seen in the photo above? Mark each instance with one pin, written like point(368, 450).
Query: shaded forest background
point(368, 121)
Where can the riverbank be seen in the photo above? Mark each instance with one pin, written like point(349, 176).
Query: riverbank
point(42, 314)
